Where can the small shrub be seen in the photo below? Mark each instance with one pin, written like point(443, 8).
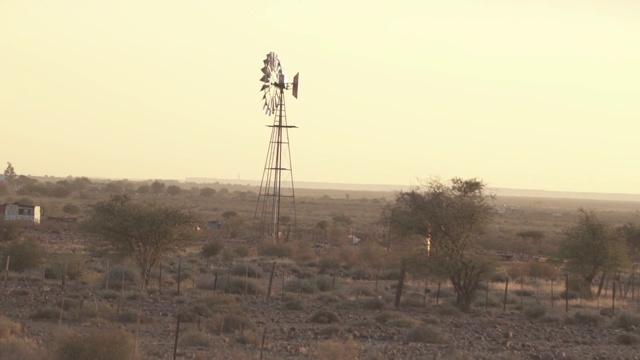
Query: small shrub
point(373, 303)
point(586, 318)
point(324, 283)
point(9, 328)
point(236, 322)
point(212, 248)
point(300, 286)
point(10, 230)
point(294, 304)
point(325, 317)
point(118, 275)
point(239, 285)
point(626, 321)
point(111, 344)
point(542, 270)
point(499, 277)
point(45, 313)
point(627, 338)
point(71, 265)
point(194, 339)
point(447, 310)
point(109, 294)
point(535, 312)
point(245, 270)
point(242, 250)
point(280, 250)
point(524, 292)
point(338, 350)
point(425, 334)
point(19, 349)
point(250, 336)
point(389, 275)
point(25, 254)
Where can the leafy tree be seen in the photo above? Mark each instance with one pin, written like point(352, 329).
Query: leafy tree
point(157, 187)
point(631, 233)
point(592, 246)
point(143, 189)
point(174, 190)
point(208, 192)
point(448, 218)
point(142, 230)
point(10, 174)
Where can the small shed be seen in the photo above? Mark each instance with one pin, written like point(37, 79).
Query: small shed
point(20, 212)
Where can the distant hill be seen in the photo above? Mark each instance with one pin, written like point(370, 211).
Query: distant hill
point(387, 187)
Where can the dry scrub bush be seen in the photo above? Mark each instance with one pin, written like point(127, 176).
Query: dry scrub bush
point(236, 322)
point(425, 334)
point(246, 270)
point(239, 285)
point(626, 321)
point(110, 344)
point(20, 349)
point(212, 248)
point(300, 286)
point(294, 304)
point(535, 311)
point(325, 317)
point(280, 250)
point(194, 339)
point(627, 338)
point(9, 328)
point(69, 265)
point(338, 350)
point(119, 275)
point(587, 318)
point(399, 320)
point(24, 255)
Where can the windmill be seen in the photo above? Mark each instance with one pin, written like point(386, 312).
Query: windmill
point(275, 212)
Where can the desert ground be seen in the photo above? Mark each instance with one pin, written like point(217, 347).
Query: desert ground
point(318, 296)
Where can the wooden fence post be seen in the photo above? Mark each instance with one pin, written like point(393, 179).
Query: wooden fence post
point(506, 288)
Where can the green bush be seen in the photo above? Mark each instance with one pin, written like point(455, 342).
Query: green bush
point(26, 254)
point(111, 344)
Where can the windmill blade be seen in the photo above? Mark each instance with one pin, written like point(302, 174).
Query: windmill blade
point(265, 70)
point(265, 78)
point(295, 85)
point(264, 87)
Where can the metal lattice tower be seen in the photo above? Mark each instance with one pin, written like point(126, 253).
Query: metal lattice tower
point(275, 214)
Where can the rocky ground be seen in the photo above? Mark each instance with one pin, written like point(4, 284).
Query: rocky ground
point(351, 320)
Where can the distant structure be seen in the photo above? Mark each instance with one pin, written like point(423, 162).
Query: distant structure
point(20, 212)
point(275, 214)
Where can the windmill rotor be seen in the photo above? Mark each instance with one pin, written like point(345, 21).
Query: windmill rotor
point(274, 82)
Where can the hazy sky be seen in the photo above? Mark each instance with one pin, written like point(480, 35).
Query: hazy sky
point(541, 94)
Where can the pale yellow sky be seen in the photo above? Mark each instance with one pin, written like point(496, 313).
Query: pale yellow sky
point(538, 94)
